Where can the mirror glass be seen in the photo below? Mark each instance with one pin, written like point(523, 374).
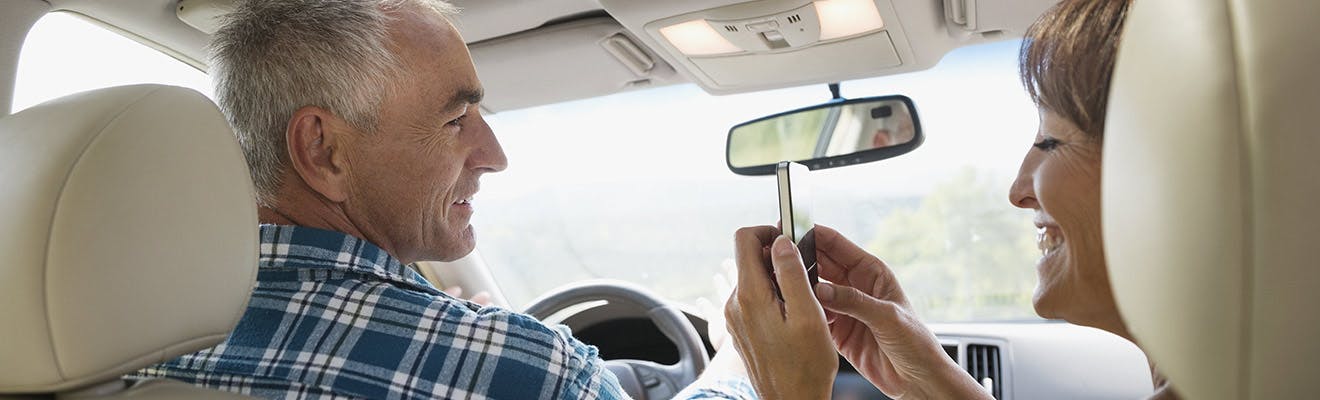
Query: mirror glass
point(834, 134)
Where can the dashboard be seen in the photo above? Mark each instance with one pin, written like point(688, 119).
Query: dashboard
point(1013, 360)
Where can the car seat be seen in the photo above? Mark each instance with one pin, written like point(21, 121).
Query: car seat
point(1210, 193)
point(129, 237)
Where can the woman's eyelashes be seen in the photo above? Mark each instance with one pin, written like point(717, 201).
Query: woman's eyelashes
point(1047, 144)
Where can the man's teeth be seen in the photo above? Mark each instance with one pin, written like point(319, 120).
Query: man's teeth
point(464, 201)
point(1048, 240)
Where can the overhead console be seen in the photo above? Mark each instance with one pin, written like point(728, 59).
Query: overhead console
point(533, 54)
point(732, 46)
point(760, 44)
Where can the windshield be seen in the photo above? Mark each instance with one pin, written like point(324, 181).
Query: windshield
point(634, 186)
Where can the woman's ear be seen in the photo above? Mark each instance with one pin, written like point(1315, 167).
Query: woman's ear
point(314, 138)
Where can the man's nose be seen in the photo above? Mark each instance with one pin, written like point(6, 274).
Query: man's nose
point(489, 155)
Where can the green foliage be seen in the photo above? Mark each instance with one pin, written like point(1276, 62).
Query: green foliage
point(963, 253)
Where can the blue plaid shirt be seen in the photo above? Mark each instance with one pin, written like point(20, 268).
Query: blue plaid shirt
point(333, 316)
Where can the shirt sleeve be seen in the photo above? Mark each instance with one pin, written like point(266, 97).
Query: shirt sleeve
point(726, 388)
point(547, 363)
point(572, 369)
point(595, 381)
point(606, 386)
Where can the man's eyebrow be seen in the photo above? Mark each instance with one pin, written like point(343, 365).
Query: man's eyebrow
point(465, 97)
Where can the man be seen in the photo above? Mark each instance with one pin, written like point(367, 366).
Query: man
point(360, 122)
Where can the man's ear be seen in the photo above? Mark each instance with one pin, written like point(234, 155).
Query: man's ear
point(315, 138)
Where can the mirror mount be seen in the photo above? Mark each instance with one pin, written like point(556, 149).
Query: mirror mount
point(834, 92)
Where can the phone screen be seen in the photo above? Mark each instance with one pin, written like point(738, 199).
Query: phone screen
point(795, 212)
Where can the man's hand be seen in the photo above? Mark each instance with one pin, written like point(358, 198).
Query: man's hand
point(786, 345)
point(712, 308)
point(481, 298)
point(874, 327)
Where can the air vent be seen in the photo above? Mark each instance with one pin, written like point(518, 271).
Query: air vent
point(952, 351)
point(983, 364)
point(731, 28)
point(795, 18)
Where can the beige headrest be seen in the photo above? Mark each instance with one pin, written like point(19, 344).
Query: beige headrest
point(129, 235)
point(1211, 193)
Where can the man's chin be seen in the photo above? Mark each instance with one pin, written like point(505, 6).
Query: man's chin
point(462, 245)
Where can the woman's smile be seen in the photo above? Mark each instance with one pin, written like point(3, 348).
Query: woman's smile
point(1049, 239)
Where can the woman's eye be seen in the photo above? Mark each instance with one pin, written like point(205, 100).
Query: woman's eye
point(1047, 144)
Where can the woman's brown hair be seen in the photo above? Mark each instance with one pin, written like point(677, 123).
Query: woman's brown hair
point(1067, 59)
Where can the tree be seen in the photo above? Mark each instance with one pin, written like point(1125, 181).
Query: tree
point(962, 253)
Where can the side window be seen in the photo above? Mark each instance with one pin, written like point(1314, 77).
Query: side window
point(65, 54)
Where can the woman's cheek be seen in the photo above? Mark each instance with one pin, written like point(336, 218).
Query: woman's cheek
point(1068, 186)
point(1080, 219)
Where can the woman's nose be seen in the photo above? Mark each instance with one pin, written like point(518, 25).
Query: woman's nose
point(1023, 191)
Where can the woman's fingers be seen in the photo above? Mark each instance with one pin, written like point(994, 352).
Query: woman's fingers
point(847, 253)
point(842, 262)
point(866, 278)
point(829, 269)
point(861, 306)
point(786, 345)
point(753, 281)
point(830, 316)
point(792, 278)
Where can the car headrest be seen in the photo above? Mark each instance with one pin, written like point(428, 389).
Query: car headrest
point(129, 235)
point(1211, 202)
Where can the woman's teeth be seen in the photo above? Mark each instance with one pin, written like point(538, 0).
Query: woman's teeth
point(1048, 240)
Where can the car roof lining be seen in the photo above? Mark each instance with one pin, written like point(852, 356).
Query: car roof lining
point(502, 22)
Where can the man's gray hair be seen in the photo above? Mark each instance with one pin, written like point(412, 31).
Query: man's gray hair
point(273, 57)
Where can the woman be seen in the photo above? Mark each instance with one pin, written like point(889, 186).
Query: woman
point(788, 348)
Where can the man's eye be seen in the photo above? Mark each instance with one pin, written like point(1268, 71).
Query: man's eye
point(1047, 144)
point(458, 122)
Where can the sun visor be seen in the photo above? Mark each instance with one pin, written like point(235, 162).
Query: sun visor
point(574, 60)
point(756, 45)
point(203, 15)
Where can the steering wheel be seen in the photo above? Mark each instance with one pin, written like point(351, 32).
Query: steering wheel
point(641, 379)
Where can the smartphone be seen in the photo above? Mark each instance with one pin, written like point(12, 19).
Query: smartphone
point(795, 213)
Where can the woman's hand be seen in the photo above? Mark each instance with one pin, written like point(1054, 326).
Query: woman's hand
point(873, 326)
point(786, 344)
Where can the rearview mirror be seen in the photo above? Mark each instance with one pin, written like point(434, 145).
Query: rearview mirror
point(828, 135)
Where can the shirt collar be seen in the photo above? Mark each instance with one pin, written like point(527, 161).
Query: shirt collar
point(300, 247)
